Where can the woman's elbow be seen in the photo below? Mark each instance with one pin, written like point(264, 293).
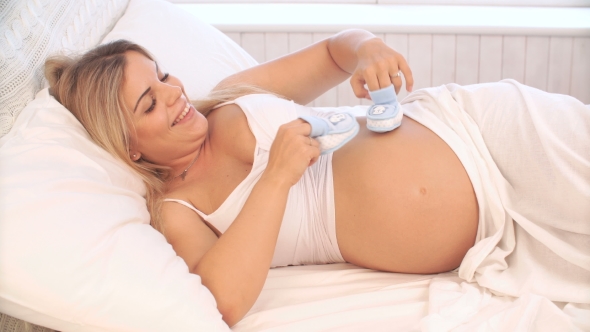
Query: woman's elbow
point(232, 310)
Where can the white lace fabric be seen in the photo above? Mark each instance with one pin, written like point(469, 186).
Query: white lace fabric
point(31, 30)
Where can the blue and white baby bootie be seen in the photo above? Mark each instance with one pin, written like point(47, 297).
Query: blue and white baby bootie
point(386, 114)
point(333, 131)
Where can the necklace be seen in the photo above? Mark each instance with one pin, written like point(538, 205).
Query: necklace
point(183, 174)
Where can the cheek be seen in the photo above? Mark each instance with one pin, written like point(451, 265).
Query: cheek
point(151, 128)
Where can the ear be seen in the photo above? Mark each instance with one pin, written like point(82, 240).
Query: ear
point(134, 155)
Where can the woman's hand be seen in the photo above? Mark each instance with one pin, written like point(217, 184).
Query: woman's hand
point(292, 152)
point(378, 67)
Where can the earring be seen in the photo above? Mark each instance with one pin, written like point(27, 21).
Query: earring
point(134, 156)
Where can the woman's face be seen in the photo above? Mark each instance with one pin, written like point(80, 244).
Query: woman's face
point(167, 129)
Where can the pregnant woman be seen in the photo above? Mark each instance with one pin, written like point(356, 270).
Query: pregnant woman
point(237, 185)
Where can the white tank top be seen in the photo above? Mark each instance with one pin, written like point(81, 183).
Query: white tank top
point(307, 234)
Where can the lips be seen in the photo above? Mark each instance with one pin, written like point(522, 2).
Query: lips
point(184, 112)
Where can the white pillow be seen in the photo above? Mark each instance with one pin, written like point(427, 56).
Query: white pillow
point(76, 250)
point(193, 51)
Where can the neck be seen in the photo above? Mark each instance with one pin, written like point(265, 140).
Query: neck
point(183, 172)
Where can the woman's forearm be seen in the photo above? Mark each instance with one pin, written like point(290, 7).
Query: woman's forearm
point(235, 268)
point(306, 74)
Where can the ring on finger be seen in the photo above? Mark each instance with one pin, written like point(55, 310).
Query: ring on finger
point(399, 74)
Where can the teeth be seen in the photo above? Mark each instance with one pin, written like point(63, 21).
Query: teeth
point(183, 114)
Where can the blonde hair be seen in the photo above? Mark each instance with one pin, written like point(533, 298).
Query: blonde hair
point(89, 86)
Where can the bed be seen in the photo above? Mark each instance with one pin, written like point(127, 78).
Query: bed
point(76, 249)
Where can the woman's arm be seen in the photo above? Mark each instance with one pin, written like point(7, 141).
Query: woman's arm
point(306, 74)
point(234, 267)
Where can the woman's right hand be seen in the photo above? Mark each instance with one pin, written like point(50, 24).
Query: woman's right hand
point(291, 152)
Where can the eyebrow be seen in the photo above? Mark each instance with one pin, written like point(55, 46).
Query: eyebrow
point(145, 92)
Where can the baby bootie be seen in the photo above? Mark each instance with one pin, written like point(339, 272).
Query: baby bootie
point(333, 131)
point(386, 114)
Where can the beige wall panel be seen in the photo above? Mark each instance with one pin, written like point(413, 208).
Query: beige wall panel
point(235, 36)
point(490, 59)
point(298, 41)
point(467, 59)
point(420, 59)
point(513, 57)
point(253, 43)
point(443, 59)
point(276, 45)
point(580, 83)
point(560, 64)
point(537, 62)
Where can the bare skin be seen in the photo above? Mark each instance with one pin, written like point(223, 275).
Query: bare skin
point(403, 201)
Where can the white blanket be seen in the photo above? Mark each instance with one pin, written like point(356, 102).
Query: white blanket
point(527, 153)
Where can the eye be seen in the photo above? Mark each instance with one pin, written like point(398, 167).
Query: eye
point(151, 108)
point(153, 105)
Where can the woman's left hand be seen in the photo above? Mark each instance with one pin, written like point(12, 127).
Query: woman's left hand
point(378, 67)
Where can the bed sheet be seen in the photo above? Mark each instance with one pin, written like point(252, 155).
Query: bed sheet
point(339, 297)
point(343, 297)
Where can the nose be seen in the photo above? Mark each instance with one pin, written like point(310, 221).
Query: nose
point(173, 93)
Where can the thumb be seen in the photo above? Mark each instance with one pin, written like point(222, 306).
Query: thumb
point(357, 82)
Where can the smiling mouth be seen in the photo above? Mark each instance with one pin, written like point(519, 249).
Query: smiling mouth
point(182, 115)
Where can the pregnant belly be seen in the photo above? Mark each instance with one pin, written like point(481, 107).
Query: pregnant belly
point(403, 200)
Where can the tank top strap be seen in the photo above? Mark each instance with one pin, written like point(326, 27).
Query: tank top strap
point(224, 103)
point(188, 205)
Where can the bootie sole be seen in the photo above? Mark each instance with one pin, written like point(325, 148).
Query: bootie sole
point(332, 132)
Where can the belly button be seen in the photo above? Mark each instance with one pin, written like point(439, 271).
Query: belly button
point(423, 191)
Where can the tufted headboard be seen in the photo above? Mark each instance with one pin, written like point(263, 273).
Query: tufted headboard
point(31, 30)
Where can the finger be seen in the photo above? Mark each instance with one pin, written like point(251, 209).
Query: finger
point(405, 68)
point(313, 161)
point(314, 146)
point(371, 78)
point(315, 154)
point(299, 127)
point(396, 79)
point(314, 142)
point(358, 86)
point(397, 84)
point(384, 79)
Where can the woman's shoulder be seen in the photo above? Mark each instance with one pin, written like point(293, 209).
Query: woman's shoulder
point(230, 132)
